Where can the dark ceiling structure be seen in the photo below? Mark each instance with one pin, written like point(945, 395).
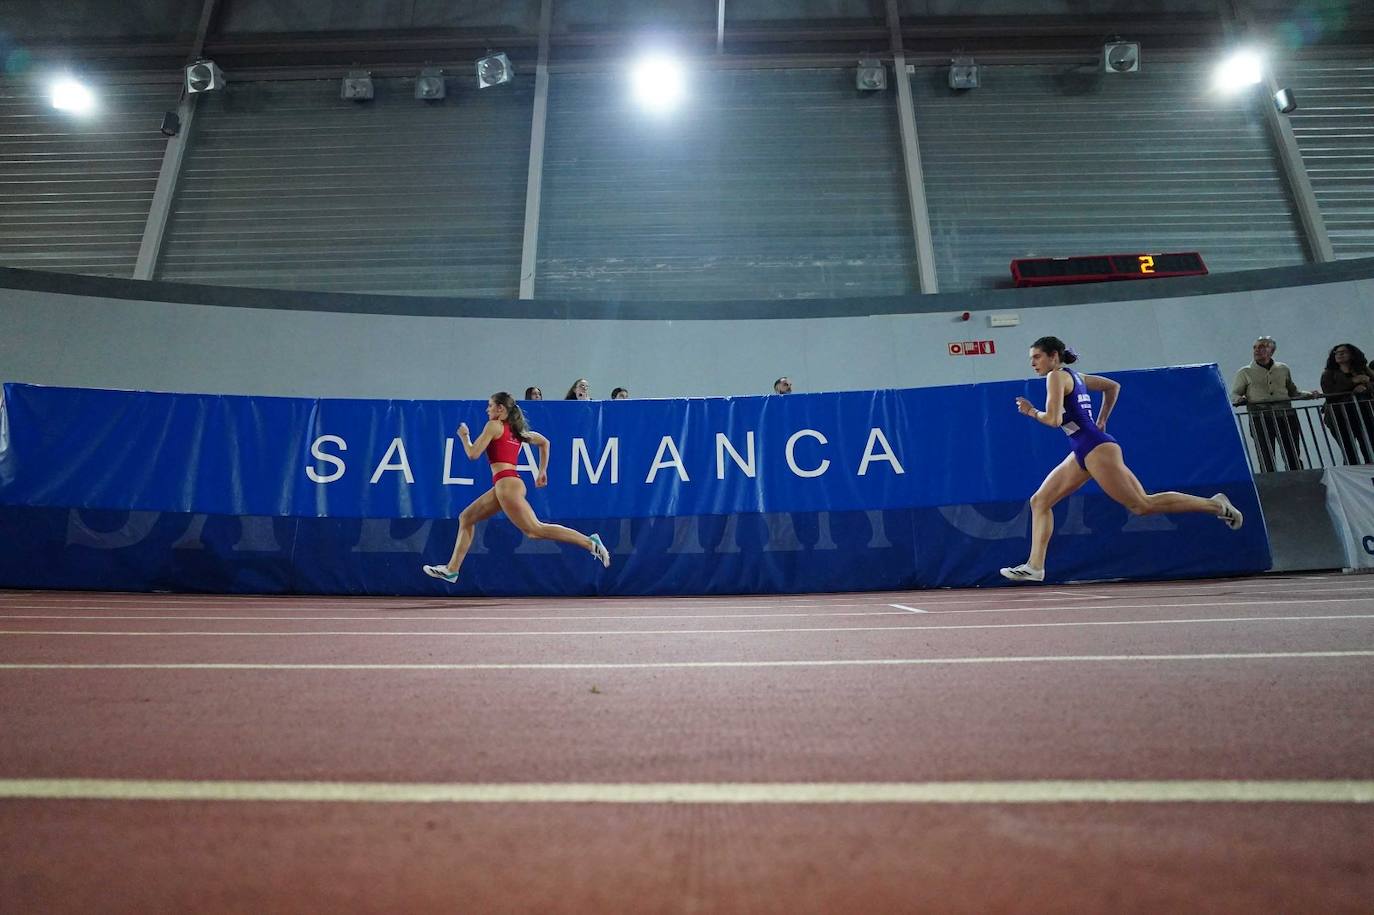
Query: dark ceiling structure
point(258, 38)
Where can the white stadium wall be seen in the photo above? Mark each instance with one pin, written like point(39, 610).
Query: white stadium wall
point(84, 340)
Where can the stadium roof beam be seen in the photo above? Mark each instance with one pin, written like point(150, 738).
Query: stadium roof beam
point(150, 246)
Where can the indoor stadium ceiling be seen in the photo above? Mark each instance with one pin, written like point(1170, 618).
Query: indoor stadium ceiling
point(293, 34)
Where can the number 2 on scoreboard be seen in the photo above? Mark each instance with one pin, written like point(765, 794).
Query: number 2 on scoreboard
point(1147, 263)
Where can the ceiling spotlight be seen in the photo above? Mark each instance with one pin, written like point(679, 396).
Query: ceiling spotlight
point(658, 82)
point(204, 76)
point(1241, 69)
point(429, 85)
point(69, 95)
point(963, 73)
point(356, 86)
point(1121, 57)
point(493, 70)
point(871, 75)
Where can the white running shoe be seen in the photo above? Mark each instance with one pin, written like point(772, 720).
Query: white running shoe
point(441, 572)
point(1023, 572)
point(599, 551)
point(1230, 515)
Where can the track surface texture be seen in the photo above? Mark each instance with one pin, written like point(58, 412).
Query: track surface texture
point(1200, 746)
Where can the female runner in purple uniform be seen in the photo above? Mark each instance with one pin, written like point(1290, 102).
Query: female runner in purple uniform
point(1095, 456)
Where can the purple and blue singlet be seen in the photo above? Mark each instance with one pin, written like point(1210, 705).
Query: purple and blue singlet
point(1079, 424)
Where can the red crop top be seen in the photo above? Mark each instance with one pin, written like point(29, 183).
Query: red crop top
point(505, 448)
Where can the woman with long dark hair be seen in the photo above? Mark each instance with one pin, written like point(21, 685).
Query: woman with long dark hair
point(501, 438)
point(1349, 410)
point(1095, 455)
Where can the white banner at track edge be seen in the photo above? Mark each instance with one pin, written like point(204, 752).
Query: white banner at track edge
point(1350, 502)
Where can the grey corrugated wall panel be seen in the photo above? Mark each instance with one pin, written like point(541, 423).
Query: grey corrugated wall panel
point(75, 190)
point(1127, 10)
point(763, 184)
point(1334, 127)
point(1056, 160)
point(576, 15)
point(287, 186)
point(29, 21)
point(245, 17)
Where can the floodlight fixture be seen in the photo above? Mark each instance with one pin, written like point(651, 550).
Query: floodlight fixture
point(658, 82)
point(204, 76)
point(871, 76)
point(963, 73)
point(493, 70)
point(356, 86)
point(429, 85)
point(1241, 69)
point(1121, 56)
point(1285, 101)
point(70, 95)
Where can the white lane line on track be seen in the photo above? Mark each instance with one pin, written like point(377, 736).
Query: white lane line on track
point(464, 619)
point(698, 665)
point(548, 608)
point(1259, 588)
point(1251, 578)
point(1011, 792)
point(689, 616)
point(590, 606)
point(930, 598)
point(1156, 605)
point(1217, 592)
point(563, 633)
point(1264, 584)
point(470, 603)
point(906, 608)
point(1036, 594)
point(1152, 605)
point(1265, 581)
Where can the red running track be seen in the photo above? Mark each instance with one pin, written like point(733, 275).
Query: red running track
point(665, 755)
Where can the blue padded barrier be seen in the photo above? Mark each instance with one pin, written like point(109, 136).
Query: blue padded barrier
point(820, 492)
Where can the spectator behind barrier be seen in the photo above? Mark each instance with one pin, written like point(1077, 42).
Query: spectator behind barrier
point(533, 393)
point(1349, 410)
point(1267, 388)
point(578, 391)
point(620, 394)
point(783, 385)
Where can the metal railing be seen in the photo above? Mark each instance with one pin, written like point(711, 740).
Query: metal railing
point(1289, 436)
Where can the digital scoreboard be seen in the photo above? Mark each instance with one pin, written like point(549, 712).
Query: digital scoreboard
point(1101, 268)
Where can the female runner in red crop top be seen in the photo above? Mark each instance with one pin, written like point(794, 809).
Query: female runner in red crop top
point(501, 438)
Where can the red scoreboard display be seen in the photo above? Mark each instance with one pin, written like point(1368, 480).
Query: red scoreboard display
point(1101, 268)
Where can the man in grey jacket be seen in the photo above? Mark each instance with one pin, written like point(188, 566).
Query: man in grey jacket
point(1267, 388)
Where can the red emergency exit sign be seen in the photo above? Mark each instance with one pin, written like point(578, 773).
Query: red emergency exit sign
point(973, 348)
